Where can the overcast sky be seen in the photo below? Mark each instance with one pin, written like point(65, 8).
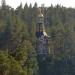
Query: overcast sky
point(67, 3)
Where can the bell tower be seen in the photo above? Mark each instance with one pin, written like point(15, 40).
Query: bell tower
point(41, 43)
point(42, 37)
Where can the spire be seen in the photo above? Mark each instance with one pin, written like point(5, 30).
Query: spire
point(41, 15)
point(40, 23)
point(40, 12)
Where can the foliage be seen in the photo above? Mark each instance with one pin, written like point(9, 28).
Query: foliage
point(18, 40)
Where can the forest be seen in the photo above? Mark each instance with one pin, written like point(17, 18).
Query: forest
point(18, 39)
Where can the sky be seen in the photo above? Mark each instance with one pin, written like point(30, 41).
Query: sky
point(66, 3)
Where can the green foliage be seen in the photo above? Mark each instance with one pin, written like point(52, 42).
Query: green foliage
point(9, 66)
point(17, 35)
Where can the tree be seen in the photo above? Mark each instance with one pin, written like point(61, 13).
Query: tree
point(9, 66)
point(3, 3)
